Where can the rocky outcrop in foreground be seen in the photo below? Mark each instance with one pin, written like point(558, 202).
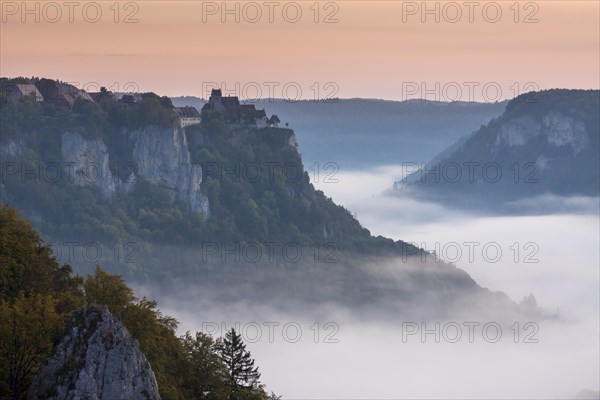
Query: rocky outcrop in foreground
point(97, 359)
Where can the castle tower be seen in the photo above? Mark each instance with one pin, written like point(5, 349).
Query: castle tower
point(215, 96)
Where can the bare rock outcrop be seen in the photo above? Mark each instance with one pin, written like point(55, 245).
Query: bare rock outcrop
point(161, 157)
point(97, 359)
point(86, 163)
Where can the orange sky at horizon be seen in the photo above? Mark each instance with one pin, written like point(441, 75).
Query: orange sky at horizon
point(376, 49)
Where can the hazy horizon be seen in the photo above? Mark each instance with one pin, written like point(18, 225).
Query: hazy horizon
point(536, 46)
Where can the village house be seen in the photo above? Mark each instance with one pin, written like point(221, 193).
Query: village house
point(18, 90)
point(187, 116)
point(235, 113)
point(47, 91)
point(63, 94)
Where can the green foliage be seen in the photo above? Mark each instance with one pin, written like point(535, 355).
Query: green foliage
point(258, 191)
point(109, 290)
point(27, 265)
point(37, 297)
point(28, 326)
point(239, 363)
point(17, 119)
point(211, 377)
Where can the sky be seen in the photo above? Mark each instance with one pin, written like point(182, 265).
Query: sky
point(396, 50)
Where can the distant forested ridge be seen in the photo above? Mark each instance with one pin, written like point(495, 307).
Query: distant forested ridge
point(367, 133)
point(545, 143)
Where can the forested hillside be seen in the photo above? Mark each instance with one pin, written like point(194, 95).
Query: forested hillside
point(253, 184)
point(545, 143)
point(38, 296)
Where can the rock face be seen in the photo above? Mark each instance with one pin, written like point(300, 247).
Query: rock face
point(96, 360)
point(160, 156)
point(86, 163)
point(566, 131)
point(558, 130)
point(544, 148)
point(517, 132)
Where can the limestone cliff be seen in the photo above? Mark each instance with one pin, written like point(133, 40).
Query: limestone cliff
point(97, 359)
point(160, 157)
point(545, 144)
point(557, 129)
point(86, 163)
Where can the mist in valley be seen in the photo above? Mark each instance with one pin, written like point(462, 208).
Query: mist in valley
point(503, 303)
point(323, 349)
point(394, 327)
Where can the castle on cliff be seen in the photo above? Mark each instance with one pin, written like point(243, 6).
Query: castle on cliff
point(235, 113)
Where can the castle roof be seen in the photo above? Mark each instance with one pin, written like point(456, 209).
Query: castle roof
point(187, 112)
point(231, 108)
point(248, 108)
point(230, 102)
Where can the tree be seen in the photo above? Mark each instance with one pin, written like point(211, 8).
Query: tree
point(36, 297)
point(27, 329)
point(239, 363)
point(104, 94)
point(209, 374)
point(127, 99)
point(109, 290)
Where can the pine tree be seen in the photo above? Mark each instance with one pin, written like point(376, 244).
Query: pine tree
point(239, 363)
